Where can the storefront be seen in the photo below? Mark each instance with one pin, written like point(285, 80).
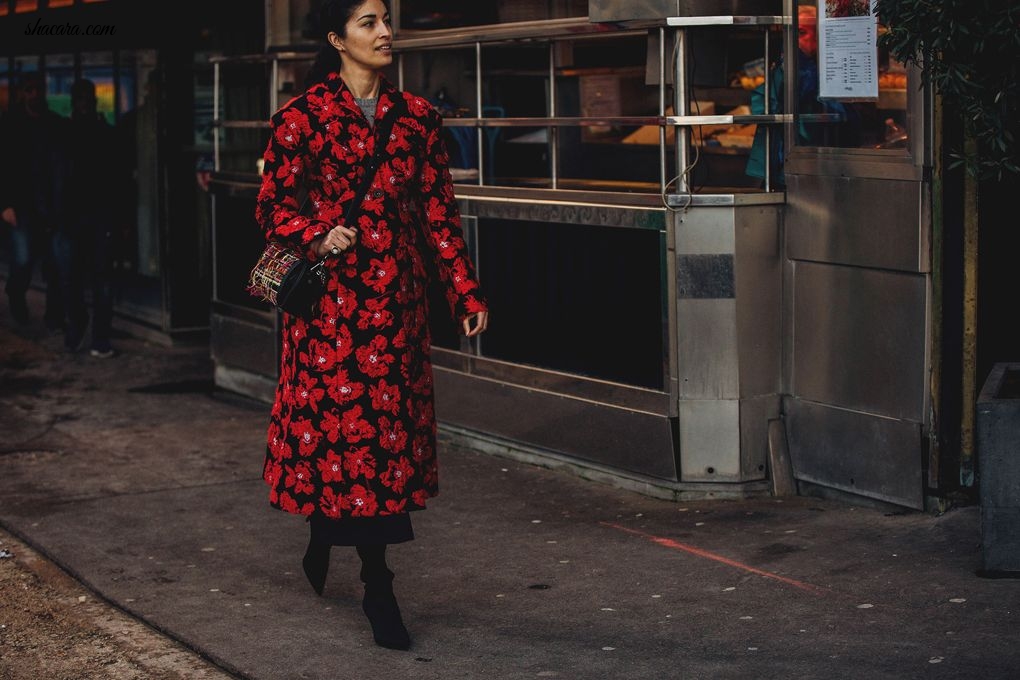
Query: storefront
point(155, 88)
point(692, 304)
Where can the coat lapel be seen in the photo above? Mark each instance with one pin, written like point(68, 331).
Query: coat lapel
point(387, 109)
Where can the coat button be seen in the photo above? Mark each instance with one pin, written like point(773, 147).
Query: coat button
point(377, 193)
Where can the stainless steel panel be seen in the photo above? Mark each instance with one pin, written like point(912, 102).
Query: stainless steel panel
point(618, 438)
point(755, 415)
point(588, 192)
point(729, 283)
point(710, 440)
point(748, 197)
point(707, 363)
point(728, 20)
point(706, 232)
point(544, 194)
point(572, 28)
point(250, 385)
point(626, 10)
point(857, 221)
point(758, 265)
point(859, 339)
point(565, 212)
point(859, 163)
point(581, 121)
point(856, 452)
point(244, 345)
point(725, 440)
point(535, 379)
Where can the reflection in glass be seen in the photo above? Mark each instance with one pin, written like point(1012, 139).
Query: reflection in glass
point(567, 313)
point(98, 67)
point(5, 88)
point(59, 76)
point(877, 124)
point(138, 129)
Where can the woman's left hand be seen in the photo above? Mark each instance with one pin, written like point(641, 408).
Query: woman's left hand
point(481, 322)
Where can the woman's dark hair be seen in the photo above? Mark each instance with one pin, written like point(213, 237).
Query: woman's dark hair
point(326, 16)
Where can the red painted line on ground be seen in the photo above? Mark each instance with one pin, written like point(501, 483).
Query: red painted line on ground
point(676, 545)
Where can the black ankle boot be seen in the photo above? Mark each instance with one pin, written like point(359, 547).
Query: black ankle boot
point(380, 606)
point(316, 564)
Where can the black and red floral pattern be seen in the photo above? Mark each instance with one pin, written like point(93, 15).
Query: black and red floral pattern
point(352, 431)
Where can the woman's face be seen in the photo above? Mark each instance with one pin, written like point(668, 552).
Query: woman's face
point(369, 37)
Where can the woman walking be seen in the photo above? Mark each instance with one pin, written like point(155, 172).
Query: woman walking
point(352, 433)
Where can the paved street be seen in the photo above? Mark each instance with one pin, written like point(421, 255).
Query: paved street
point(142, 481)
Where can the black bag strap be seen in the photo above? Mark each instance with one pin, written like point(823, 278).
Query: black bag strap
point(373, 167)
point(366, 179)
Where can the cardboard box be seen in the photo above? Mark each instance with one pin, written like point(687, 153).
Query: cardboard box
point(600, 96)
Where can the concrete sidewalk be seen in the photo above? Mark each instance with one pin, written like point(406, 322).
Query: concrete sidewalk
point(143, 481)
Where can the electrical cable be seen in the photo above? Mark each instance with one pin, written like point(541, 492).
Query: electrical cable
point(686, 130)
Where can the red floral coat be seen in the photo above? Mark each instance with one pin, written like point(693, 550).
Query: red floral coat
point(352, 430)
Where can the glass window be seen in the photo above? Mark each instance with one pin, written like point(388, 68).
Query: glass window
point(98, 67)
point(22, 65)
point(243, 96)
point(26, 6)
point(880, 124)
point(5, 87)
point(606, 78)
point(25, 64)
point(138, 132)
point(59, 3)
point(59, 76)
point(430, 14)
point(426, 14)
point(289, 22)
point(568, 299)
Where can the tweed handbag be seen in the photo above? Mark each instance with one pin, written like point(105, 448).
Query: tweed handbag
point(287, 280)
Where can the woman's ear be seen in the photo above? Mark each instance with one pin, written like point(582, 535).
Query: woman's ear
point(335, 40)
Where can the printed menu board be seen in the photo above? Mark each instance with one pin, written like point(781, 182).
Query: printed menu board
point(847, 50)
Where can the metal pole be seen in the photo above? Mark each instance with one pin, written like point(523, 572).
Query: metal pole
point(768, 109)
point(553, 132)
point(662, 111)
point(274, 100)
point(216, 115)
point(680, 107)
point(478, 104)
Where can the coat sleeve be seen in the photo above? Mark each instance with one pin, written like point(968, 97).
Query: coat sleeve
point(441, 222)
point(284, 172)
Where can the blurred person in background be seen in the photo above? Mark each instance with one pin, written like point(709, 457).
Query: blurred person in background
point(33, 184)
point(82, 242)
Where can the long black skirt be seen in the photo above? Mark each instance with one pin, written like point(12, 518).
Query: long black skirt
point(381, 530)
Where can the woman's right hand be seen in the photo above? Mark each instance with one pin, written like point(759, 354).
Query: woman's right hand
point(336, 241)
